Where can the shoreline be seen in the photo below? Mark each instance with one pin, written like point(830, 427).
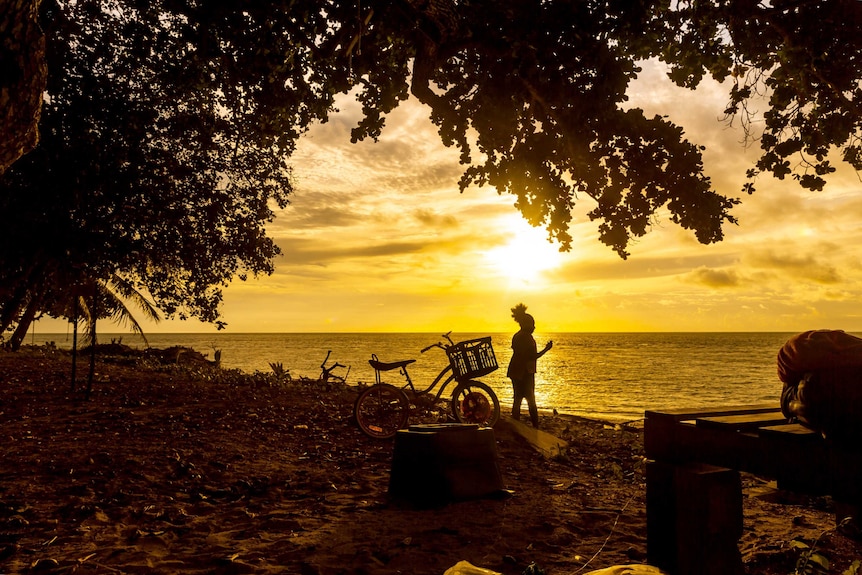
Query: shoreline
point(606, 376)
point(622, 420)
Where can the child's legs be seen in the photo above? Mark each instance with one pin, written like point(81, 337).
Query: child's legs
point(530, 395)
point(517, 398)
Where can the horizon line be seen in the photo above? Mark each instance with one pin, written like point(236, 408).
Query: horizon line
point(351, 332)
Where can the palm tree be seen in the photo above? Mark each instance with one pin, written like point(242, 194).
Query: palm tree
point(96, 299)
point(106, 299)
point(73, 292)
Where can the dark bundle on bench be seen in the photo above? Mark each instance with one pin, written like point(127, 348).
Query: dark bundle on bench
point(694, 492)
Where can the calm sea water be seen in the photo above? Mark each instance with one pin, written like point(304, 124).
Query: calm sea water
point(612, 376)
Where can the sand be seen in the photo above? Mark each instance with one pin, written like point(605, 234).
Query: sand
point(189, 469)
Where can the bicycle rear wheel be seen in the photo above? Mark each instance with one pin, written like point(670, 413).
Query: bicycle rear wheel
point(381, 410)
point(475, 402)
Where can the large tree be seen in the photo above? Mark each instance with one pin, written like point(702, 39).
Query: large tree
point(158, 164)
point(22, 78)
point(169, 123)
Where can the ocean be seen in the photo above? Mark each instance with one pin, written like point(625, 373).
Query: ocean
point(609, 376)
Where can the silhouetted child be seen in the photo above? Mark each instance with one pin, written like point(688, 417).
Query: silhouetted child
point(522, 367)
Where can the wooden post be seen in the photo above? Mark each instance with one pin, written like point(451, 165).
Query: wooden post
point(661, 516)
point(694, 519)
point(709, 520)
point(846, 473)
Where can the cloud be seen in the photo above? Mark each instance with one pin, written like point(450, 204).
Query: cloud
point(797, 267)
point(298, 252)
point(612, 268)
point(435, 220)
point(407, 158)
point(713, 278)
point(312, 216)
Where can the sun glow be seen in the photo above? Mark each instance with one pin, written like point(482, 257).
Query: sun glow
point(526, 255)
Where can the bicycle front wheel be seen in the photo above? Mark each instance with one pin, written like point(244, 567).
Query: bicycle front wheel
point(475, 402)
point(381, 410)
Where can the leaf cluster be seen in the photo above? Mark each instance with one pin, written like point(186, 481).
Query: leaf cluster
point(538, 111)
point(800, 59)
point(534, 96)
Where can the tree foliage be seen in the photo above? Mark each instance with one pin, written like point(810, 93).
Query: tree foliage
point(533, 93)
point(801, 58)
point(158, 163)
point(169, 123)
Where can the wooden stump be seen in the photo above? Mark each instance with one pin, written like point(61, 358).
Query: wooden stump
point(435, 464)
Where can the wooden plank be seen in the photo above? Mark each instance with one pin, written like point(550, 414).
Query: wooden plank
point(798, 459)
point(681, 414)
point(789, 458)
point(796, 431)
point(744, 420)
point(547, 444)
point(682, 441)
point(796, 456)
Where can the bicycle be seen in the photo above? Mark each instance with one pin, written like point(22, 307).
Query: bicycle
point(382, 409)
point(326, 376)
point(326, 372)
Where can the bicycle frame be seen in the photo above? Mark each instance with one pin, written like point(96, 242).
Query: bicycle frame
point(449, 379)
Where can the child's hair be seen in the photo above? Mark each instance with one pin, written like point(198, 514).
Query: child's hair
point(519, 313)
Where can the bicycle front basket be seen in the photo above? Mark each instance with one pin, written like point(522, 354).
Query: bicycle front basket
point(472, 358)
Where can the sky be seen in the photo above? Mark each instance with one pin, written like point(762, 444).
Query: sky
point(378, 238)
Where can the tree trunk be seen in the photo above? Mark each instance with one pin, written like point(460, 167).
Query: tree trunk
point(24, 323)
point(74, 341)
point(23, 75)
point(94, 313)
point(10, 309)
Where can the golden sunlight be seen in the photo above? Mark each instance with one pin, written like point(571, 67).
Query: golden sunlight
point(526, 254)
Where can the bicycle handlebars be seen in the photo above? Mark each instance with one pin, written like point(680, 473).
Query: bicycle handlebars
point(440, 344)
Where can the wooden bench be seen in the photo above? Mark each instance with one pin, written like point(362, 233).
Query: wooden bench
point(694, 491)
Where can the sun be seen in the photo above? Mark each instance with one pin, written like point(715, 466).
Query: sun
point(526, 255)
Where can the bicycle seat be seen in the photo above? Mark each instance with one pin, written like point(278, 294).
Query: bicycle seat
point(383, 366)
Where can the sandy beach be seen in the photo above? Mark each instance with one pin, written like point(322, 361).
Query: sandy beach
point(185, 468)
